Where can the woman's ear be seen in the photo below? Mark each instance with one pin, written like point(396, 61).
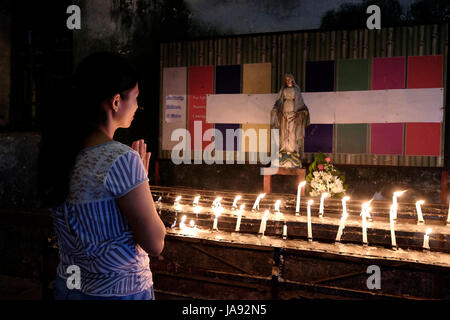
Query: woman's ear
point(115, 102)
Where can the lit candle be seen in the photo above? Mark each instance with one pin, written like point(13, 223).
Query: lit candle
point(215, 221)
point(195, 203)
point(182, 225)
point(176, 204)
point(364, 212)
point(322, 199)
point(285, 231)
point(236, 199)
point(217, 209)
point(299, 192)
point(262, 227)
point(277, 206)
point(216, 202)
point(394, 202)
point(192, 224)
point(343, 218)
point(426, 239)
point(309, 220)
point(419, 212)
point(258, 199)
point(392, 224)
point(238, 221)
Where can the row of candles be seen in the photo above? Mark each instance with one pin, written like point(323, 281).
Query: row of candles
point(365, 215)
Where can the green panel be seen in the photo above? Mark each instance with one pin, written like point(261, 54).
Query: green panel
point(351, 138)
point(353, 75)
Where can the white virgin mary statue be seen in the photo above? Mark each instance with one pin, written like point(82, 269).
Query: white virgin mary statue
point(291, 116)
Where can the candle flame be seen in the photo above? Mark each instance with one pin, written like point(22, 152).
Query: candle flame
point(428, 231)
point(277, 205)
point(177, 199)
point(196, 199)
point(237, 198)
point(420, 202)
point(242, 207)
point(183, 219)
point(324, 195)
point(346, 198)
point(310, 202)
point(258, 199)
point(399, 193)
point(366, 204)
point(192, 224)
point(302, 184)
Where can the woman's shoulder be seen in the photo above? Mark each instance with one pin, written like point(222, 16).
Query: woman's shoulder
point(111, 150)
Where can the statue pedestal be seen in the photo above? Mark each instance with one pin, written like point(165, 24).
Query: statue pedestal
point(269, 172)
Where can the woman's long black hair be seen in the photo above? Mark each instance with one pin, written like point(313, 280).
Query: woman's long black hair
point(75, 112)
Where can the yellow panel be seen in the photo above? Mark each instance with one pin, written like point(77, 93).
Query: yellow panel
point(256, 78)
point(251, 138)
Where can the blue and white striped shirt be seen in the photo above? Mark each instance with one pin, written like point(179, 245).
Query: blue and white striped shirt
point(92, 232)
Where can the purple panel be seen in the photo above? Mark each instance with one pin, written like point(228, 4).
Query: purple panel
point(386, 138)
point(222, 127)
point(228, 79)
point(319, 137)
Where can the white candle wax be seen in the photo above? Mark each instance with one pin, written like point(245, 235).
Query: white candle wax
point(341, 226)
point(426, 239)
point(239, 217)
point(182, 225)
point(392, 225)
point(364, 213)
point(176, 204)
point(343, 218)
point(394, 202)
point(419, 212)
point(277, 206)
point(262, 227)
point(238, 222)
point(258, 199)
point(195, 203)
point(448, 215)
point(234, 206)
point(321, 207)
point(285, 231)
point(309, 220)
point(299, 192)
point(215, 223)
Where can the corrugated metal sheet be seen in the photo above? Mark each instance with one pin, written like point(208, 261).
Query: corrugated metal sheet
point(288, 52)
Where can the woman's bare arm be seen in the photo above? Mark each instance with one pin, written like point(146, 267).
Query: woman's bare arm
point(139, 210)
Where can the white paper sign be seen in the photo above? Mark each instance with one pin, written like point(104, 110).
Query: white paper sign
point(175, 108)
point(369, 106)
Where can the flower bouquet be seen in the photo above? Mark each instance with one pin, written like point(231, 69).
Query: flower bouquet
point(324, 177)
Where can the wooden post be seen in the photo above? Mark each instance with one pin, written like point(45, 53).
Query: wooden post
point(157, 173)
point(444, 181)
point(267, 184)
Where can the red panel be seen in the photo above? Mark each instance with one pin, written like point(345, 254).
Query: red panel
point(425, 72)
point(201, 80)
point(197, 112)
point(386, 138)
point(423, 139)
point(388, 73)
